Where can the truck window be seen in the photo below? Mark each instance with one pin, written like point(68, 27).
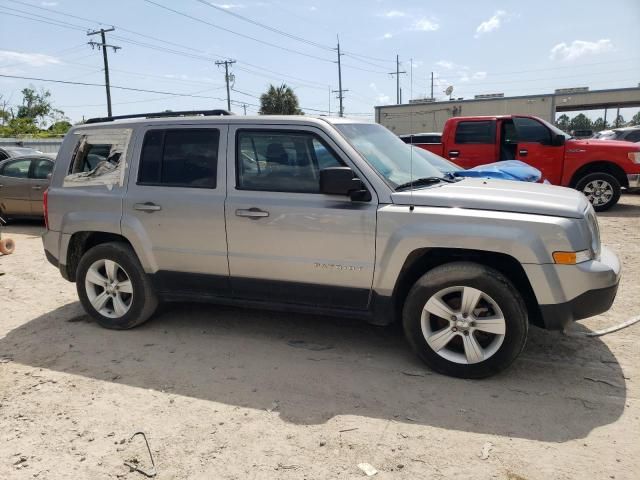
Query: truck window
point(530, 130)
point(482, 132)
point(181, 157)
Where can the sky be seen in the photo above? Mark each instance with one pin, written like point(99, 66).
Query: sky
point(170, 48)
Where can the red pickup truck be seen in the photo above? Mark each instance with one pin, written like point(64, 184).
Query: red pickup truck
point(598, 168)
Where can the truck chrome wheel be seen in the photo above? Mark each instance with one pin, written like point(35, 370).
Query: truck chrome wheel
point(109, 288)
point(463, 325)
point(598, 192)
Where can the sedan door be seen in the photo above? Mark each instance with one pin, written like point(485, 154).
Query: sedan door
point(289, 243)
point(15, 187)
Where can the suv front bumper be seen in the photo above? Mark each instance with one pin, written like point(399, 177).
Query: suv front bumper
point(567, 293)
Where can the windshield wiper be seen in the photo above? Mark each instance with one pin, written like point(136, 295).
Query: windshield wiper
point(418, 182)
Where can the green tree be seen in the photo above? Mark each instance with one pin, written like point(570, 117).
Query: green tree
point(619, 121)
point(599, 124)
point(60, 127)
point(635, 120)
point(280, 100)
point(37, 106)
point(580, 122)
point(19, 126)
point(563, 122)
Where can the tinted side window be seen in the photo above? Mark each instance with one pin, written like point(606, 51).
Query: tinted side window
point(186, 157)
point(16, 168)
point(41, 169)
point(282, 161)
point(476, 132)
point(530, 130)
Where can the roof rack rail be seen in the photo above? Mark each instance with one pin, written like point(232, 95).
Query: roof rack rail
point(205, 113)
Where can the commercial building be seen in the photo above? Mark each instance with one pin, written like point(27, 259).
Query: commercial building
point(429, 116)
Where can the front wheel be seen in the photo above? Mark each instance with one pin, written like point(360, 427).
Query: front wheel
point(113, 287)
point(465, 320)
point(601, 189)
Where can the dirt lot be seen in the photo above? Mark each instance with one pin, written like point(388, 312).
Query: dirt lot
point(230, 393)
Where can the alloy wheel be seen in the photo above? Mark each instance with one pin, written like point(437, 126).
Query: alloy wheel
point(463, 324)
point(109, 288)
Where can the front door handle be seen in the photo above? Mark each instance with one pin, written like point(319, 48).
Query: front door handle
point(523, 152)
point(454, 153)
point(37, 187)
point(147, 207)
point(252, 213)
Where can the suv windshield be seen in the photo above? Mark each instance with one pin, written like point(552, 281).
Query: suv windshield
point(386, 153)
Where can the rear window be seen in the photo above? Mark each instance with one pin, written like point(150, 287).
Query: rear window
point(476, 132)
point(185, 157)
point(98, 157)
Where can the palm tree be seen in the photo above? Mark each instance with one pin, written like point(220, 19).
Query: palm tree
point(280, 100)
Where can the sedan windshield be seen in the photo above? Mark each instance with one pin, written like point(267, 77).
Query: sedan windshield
point(387, 154)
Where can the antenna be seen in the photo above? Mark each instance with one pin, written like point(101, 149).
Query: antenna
point(449, 91)
point(411, 206)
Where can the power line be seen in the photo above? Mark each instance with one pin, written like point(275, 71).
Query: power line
point(205, 22)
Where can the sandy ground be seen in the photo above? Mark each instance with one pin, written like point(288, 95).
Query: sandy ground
point(225, 393)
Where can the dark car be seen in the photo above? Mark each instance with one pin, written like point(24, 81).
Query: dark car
point(23, 181)
point(421, 138)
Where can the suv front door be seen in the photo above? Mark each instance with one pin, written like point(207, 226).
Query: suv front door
point(175, 206)
point(288, 242)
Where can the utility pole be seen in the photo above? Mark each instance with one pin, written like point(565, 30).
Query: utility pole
point(244, 106)
point(431, 86)
point(340, 91)
point(226, 64)
point(105, 58)
point(397, 73)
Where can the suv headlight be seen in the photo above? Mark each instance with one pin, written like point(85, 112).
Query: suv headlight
point(592, 222)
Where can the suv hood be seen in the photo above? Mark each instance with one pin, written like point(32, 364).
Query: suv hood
point(498, 195)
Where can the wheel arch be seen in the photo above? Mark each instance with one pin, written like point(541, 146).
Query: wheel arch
point(422, 260)
point(81, 242)
point(604, 166)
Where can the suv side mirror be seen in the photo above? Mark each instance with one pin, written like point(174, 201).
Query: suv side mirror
point(557, 140)
point(342, 181)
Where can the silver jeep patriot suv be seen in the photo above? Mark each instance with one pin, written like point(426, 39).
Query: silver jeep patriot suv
point(320, 215)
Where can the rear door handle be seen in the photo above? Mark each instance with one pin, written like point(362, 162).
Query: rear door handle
point(252, 213)
point(454, 153)
point(147, 207)
point(523, 152)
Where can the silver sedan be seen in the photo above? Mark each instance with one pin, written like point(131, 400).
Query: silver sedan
point(23, 181)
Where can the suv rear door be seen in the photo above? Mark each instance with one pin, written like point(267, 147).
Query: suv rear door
point(289, 243)
point(474, 143)
point(174, 207)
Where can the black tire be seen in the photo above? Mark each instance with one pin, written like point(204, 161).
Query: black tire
point(490, 282)
point(144, 300)
point(600, 177)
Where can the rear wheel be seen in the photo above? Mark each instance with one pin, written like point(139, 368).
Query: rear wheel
point(113, 288)
point(601, 189)
point(465, 320)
